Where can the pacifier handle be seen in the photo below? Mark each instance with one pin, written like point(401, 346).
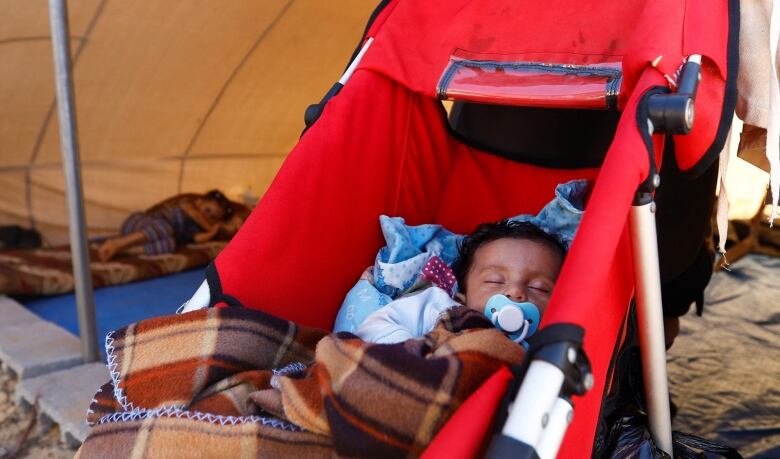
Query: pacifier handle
point(519, 318)
point(510, 319)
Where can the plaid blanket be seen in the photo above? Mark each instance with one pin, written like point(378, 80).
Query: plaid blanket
point(49, 271)
point(240, 383)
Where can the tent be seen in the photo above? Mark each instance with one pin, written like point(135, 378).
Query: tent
point(170, 97)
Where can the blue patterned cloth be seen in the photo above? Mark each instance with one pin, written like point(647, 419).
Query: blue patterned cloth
point(561, 216)
point(398, 265)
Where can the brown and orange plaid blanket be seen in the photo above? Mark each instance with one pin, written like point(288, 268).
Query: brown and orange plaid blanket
point(240, 383)
point(49, 271)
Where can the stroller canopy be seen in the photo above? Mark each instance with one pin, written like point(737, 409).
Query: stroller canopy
point(415, 40)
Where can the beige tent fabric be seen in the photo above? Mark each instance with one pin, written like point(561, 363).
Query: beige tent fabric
point(171, 96)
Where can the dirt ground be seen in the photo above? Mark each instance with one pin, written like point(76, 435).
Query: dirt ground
point(41, 443)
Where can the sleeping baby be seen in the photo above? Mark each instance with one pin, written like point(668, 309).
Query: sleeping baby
point(506, 270)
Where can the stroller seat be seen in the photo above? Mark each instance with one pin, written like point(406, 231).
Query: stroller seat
point(383, 145)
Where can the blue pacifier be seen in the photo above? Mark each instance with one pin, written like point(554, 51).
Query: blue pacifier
point(517, 320)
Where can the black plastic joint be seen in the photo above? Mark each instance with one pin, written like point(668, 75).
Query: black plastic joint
point(561, 345)
point(689, 79)
point(504, 447)
point(570, 359)
point(555, 354)
point(314, 111)
point(643, 197)
point(671, 113)
point(674, 113)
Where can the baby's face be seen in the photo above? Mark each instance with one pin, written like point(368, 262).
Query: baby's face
point(210, 209)
point(522, 269)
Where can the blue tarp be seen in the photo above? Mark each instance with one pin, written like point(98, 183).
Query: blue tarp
point(121, 305)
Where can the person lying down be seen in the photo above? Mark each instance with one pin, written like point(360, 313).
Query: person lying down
point(506, 270)
point(179, 220)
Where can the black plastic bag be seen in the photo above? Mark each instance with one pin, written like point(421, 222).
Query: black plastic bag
point(629, 438)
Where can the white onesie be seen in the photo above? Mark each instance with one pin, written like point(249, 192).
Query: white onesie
point(405, 318)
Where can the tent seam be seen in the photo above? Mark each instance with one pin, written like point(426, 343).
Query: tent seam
point(224, 88)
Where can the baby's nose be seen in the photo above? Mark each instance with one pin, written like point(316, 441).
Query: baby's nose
point(517, 294)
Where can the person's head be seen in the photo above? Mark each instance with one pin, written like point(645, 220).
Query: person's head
point(231, 226)
point(214, 206)
point(516, 259)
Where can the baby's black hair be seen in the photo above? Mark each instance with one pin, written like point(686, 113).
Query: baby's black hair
point(489, 232)
point(221, 200)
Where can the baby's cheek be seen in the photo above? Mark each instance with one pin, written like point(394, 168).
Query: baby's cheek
point(540, 301)
point(473, 302)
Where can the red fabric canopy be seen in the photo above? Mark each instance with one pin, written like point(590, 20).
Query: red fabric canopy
point(415, 39)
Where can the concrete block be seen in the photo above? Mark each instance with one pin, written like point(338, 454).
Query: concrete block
point(13, 313)
point(64, 397)
point(34, 348)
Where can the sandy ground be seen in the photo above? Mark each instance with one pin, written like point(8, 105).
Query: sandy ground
point(724, 367)
point(14, 421)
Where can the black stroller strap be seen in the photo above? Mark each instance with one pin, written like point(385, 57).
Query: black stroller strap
point(314, 111)
point(648, 186)
point(729, 99)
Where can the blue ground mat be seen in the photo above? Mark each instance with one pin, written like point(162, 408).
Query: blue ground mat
point(121, 305)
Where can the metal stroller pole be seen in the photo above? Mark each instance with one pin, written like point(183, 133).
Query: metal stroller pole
point(673, 114)
point(647, 278)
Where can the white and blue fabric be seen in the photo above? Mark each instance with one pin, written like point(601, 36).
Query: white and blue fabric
point(398, 265)
point(362, 300)
point(406, 318)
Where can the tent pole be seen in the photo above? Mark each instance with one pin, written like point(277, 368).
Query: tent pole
point(85, 302)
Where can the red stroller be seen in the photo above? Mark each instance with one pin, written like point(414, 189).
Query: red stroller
point(381, 143)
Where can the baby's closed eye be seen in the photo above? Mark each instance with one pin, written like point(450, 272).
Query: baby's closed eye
point(541, 287)
point(494, 280)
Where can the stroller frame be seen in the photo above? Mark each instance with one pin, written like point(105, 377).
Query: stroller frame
point(543, 408)
point(650, 322)
point(544, 399)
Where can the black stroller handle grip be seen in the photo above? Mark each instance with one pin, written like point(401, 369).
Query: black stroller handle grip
point(674, 113)
point(689, 79)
